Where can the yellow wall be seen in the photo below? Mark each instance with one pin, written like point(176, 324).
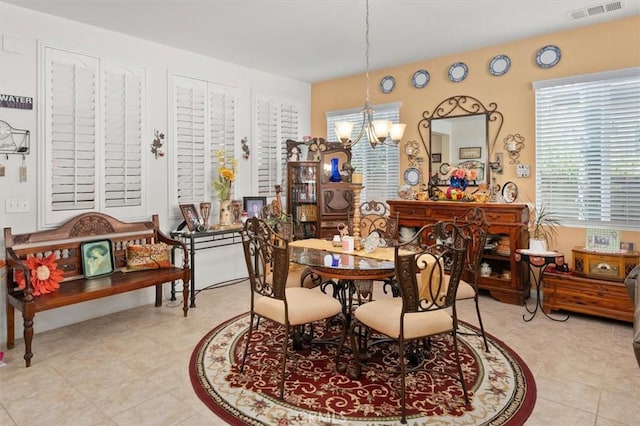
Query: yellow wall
point(601, 47)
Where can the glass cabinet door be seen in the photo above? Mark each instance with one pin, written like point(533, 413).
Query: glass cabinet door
point(302, 197)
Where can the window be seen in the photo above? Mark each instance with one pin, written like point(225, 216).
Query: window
point(276, 121)
point(380, 167)
point(93, 121)
point(204, 117)
point(588, 149)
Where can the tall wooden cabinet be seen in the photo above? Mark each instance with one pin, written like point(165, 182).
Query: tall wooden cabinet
point(509, 281)
point(316, 204)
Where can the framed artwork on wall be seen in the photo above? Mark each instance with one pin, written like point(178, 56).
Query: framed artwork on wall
point(470, 152)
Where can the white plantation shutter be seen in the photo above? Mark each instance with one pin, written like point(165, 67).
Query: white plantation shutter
point(123, 135)
point(222, 122)
point(588, 149)
point(189, 125)
point(92, 140)
point(380, 167)
point(277, 120)
point(204, 115)
point(70, 120)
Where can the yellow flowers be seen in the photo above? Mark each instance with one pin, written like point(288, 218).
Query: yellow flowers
point(226, 176)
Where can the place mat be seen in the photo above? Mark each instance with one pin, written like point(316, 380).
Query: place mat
point(381, 253)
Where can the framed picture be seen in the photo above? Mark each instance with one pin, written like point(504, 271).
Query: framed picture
point(470, 152)
point(606, 240)
point(436, 158)
point(97, 258)
point(627, 246)
point(254, 205)
point(190, 215)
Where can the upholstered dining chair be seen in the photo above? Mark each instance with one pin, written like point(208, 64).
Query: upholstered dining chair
point(283, 224)
point(474, 226)
point(425, 308)
point(267, 257)
point(376, 216)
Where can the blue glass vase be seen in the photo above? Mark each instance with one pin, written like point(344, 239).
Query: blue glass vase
point(335, 172)
point(459, 183)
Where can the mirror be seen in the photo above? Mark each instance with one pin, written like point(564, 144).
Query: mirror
point(461, 132)
point(344, 163)
point(459, 142)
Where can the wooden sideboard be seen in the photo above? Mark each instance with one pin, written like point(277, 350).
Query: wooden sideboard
point(505, 220)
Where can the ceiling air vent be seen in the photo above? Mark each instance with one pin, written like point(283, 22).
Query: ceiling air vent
point(595, 10)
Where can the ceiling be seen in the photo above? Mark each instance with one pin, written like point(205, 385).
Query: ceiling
point(317, 40)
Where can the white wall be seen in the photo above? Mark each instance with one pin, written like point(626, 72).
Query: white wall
point(18, 76)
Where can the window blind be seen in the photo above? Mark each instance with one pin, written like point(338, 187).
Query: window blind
point(276, 120)
point(588, 149)
point(70, 137)
point(204, 115)
point(93, 129)
point(123, 135)
point(380, 167)
point(189, 116)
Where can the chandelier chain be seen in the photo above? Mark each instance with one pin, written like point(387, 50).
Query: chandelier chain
point(367, 45)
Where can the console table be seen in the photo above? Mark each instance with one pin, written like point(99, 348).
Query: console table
point(196, 241)
point(505, 220)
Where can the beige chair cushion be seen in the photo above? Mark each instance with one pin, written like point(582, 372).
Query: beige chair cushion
point(465, 290)
point(384, 316)
point(305, 306)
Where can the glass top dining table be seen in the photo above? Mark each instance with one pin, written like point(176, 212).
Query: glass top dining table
point(322, 256)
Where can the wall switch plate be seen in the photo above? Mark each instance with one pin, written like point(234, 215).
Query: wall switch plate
point(523, 170)
point(17, 205)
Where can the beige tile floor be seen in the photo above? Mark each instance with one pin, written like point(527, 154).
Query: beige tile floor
point(131, 368)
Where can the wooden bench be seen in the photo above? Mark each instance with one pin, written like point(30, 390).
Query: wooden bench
point(65, 241)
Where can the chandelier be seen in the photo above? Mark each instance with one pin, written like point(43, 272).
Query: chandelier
point(377, 131)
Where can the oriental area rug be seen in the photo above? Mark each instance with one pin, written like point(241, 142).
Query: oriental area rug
point(502, 390)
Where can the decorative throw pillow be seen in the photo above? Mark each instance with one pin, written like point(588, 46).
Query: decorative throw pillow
point(148, 256)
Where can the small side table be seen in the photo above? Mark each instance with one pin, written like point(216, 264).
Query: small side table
point(537, 263)
point(211, 238)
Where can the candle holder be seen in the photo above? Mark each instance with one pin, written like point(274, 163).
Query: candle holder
point(513, 144)
point(205, 211)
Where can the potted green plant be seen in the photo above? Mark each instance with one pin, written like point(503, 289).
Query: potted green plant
point(542, 227)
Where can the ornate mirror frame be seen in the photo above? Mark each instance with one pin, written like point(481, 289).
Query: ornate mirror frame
point(460, 106)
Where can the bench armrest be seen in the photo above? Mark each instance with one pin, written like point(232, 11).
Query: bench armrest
point(164, 238)
point(13, 262)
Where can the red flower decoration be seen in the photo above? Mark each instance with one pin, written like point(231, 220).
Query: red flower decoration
point(45, 275)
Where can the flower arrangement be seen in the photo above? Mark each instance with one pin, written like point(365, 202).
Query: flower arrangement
point(45, 276)
point(226, 175)
point(463, 174)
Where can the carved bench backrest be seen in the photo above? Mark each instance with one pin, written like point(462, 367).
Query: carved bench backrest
point(65, 241)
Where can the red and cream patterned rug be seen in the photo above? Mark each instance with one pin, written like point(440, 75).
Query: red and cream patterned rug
point(501, 387)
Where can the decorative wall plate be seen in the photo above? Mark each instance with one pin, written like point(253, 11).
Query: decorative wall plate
point(499, 65)
point(412, 176)
point(387, 84)
point(444, 168)
point(510, 192)
point(458, 72)
point(548, 56)
point(420, 79)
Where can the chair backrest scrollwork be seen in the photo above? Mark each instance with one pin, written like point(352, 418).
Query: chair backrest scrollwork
point(267, 257)
point(429, 267)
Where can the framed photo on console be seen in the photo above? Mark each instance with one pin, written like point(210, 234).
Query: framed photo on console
point(190, 215)
point(254, 205)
